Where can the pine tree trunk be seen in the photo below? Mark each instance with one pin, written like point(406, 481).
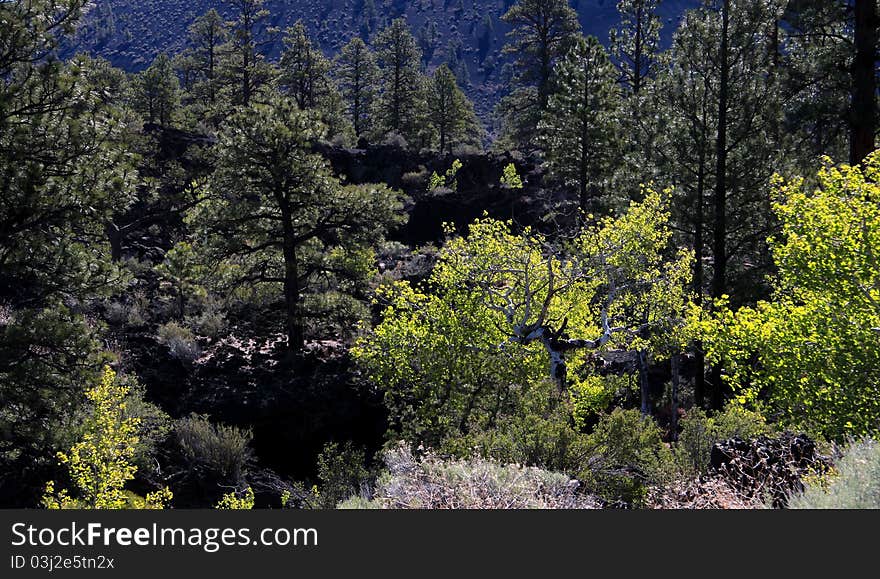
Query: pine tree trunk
point(719, 242)
point(292, 319)
point(673, 419)
point(863, 115)
point(643, 382)
point(700, 358)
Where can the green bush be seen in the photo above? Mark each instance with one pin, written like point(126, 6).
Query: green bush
point(545, 442)
point(358, 502)
point(209, 458)
point(342, 472)
point(155, 426)
point(699, 432)
point(855, 485)
point(180, 341)
point(627, 457)
point(210, 321)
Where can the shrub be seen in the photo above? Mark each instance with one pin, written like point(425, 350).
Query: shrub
point(699, 432)
point(546, 442)
point(433, 483)
point(855, 485)
point(628, 456)
point(510, 178)
point(341, 140)
point(393, 139)
point(415, 179)
point(180, 341)
point(466, 150)
point(100, 464)
point(342, 472)
point(360, 503)
point(154, 427)
point(237, 500)
point(210, 321)
point(125, 313)
point(211, 456)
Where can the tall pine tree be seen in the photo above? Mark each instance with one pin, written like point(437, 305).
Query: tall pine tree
point(357, 76)
point(275, 217)
point(542, 32)
point(578, 130)
point(403, 100)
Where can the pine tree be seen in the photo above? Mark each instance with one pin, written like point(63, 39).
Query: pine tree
point(65, 172)
point(206, 36)
point(357, 75)
point(402, 103)
point(542, 32)
point(304, 69)
point(245, 70)
point(718, 110)
point(276, 217)
point(830, 52)
point(450, 113)
point(305, 77)
point(578, 131)
point(635, 42)
point(156, 92)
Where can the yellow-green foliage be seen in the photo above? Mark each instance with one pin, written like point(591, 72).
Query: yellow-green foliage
point(510, 178)
point(447, 179)
point(231, 500)
point(100, 464)
point(818, 341)
point(459, 351)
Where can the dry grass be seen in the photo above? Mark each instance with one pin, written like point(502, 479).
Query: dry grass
point(701, 493)
point(433, 483)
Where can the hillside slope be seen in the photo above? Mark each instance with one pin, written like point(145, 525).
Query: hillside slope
point(467, 33)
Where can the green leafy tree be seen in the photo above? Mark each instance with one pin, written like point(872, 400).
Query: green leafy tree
point(578, 130)
point(274, 216)
point(811, 351)
point(508, 312)
point(100, 464)
point(357, 76)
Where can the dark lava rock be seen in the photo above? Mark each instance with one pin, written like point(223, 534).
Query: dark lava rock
point(772, 468)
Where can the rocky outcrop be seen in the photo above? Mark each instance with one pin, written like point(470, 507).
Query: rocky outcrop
point(768, 468)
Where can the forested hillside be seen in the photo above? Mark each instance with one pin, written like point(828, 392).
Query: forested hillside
point(427, 255)
point(468, 35)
